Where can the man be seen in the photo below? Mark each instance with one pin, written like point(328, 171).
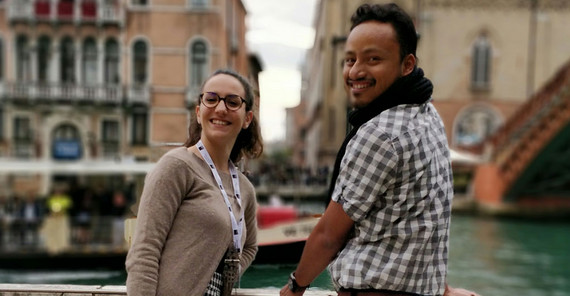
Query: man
point(386, 229)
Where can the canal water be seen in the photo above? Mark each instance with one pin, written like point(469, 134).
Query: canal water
point(493, 257)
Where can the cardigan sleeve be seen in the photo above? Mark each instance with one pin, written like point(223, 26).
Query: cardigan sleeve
point(161, 197)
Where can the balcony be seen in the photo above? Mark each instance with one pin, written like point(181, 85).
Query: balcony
point(61, 11)
point(139, 95)
point(31, 92)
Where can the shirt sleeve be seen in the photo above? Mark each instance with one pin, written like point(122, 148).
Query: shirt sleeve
point(368, 169)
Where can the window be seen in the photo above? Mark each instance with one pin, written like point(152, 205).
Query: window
point(23, 70)
point(199, 3)
point(1, 123)
point(67, 61)
point(1, 59)
point(22, 129)
point(475, 124)
point(481, 64)
point(65, 9)
point(139, 136)
point(89, 61)
point(22, 137)
point(112, 62)
point(66, 132)
point(199, 61)
point(44, 46)
point(66, 142)
point(139, 2)
point(140, 61)
point(110, 131)
point(110, 137)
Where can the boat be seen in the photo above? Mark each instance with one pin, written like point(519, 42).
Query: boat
point(282, 234)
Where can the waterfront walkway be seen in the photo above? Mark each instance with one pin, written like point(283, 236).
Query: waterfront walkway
point(94, 290)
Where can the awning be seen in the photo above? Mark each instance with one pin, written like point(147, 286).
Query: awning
point(12, 166)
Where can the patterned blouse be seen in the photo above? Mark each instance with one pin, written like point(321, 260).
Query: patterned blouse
point(395, 183)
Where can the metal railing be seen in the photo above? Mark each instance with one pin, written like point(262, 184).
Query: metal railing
point(33, 91)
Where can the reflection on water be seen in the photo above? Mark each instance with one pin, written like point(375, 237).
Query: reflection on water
point(491, 256)
point(510, 257)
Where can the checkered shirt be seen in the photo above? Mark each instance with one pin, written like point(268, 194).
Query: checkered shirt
point(395, 183)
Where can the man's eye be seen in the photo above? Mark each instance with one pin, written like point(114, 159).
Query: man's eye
point(349, 61)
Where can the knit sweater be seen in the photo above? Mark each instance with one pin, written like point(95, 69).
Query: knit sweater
point(183, 227)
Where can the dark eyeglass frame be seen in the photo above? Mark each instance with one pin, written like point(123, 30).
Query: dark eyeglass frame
point(221, 99)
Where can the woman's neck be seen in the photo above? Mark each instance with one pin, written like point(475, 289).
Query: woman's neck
point(219, 154)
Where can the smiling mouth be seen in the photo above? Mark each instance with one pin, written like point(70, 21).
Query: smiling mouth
point(219, 122)
point(360, 84)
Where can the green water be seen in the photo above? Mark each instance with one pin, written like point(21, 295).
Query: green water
point(493, 257)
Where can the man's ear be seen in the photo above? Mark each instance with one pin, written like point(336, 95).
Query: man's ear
point(408, 64)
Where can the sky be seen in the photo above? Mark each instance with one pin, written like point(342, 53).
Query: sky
point(279, 32)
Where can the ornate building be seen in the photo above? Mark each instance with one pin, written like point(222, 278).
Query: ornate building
point(99, 84)
point(485, 58)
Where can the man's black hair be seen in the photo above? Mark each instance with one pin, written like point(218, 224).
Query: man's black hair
point(392, 14)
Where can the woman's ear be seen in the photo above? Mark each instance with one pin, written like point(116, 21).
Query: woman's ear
point(248, 119)
point(198, 113)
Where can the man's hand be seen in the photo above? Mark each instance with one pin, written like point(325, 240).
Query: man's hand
point(450, 291)
point(286, 292)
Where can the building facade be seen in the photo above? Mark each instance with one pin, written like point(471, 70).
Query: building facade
point(485, 59)
point(93, 81)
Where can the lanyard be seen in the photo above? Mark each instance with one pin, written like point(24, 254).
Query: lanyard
point(236, 229)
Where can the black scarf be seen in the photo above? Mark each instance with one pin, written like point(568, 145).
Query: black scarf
point(413, 88)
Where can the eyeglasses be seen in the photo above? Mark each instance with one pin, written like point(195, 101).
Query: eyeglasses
point(211, 100)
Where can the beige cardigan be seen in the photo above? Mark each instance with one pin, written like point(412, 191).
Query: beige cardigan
point(183, 227)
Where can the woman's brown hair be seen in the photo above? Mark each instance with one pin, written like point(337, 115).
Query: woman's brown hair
point(249, 142)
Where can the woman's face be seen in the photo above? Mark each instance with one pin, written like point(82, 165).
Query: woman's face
point(219, 124)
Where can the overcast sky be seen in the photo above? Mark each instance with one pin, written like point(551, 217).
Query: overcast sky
point(280, 32)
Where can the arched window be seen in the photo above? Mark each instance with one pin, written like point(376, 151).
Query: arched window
point(112, 61)
point(66, 142)
point(23, 66)
point(481, 63)
point(89, 61)
point(140, 61)
point(198, 63)
point(1, 123)
point(475, 124)
point(199, 3)
point(67, 60)
point(1, 59)
point(44, 54)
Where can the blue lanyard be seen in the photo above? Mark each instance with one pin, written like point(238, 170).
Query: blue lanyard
point(236, 228)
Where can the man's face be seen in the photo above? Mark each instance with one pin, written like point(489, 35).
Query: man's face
point(372, 62)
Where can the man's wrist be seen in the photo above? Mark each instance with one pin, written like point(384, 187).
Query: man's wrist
point(294, 286)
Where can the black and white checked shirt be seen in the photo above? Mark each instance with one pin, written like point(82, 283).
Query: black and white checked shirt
point(395, 182)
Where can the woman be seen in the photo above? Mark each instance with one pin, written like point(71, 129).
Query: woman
point(185, 219)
